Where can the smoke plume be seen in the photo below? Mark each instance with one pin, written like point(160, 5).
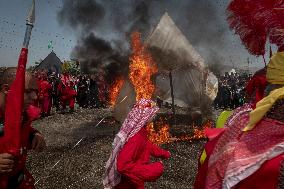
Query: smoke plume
point(85, 14)
point(104, 28)
point(96, 53)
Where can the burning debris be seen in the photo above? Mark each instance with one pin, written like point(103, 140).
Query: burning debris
point(161, 134)
point(198, 133)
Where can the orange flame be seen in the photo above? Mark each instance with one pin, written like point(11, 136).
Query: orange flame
point(141, 67)
point(114, 91)
point(198, 133)
point(162, 136)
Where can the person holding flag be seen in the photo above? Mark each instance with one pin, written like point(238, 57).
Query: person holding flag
point(16, 115)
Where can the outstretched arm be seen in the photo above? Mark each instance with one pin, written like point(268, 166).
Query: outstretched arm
point(158, 152)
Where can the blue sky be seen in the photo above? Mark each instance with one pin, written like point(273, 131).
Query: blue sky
point(12, 29)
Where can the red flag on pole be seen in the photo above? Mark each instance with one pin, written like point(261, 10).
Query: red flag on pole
point(14, 109)
point(11, 141)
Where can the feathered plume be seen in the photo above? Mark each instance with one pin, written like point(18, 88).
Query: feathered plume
point(255, 21)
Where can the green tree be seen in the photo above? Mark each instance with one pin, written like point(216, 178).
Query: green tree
point(71, 67)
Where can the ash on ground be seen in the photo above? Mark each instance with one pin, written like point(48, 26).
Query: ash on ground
point(77, 150)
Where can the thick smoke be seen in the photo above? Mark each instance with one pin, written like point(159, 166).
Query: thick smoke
point(84, 13)
point(96, 53)
point(104, 28)
point(142, 16)
point(203, 26)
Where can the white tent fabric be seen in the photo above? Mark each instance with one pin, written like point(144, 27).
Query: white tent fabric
point(211, 86)
point(169, 39)
point(193, 83)
point(124, 101)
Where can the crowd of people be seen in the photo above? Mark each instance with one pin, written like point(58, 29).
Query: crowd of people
point(231, 90)
point(59, 91)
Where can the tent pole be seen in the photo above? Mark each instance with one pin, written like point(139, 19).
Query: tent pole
point(172, 96)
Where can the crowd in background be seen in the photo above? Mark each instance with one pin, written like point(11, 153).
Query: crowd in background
point(231, 90)
point(61, 92)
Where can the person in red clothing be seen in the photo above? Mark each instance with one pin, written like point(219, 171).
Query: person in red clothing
point(213, 135)
point(256, 86)
point(45, 96)
point(14, 167)
point(129, 165)
point(249, 151)
point(103, 90)
point(67, 92)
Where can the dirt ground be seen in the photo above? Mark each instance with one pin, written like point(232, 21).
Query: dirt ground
point(78, 148)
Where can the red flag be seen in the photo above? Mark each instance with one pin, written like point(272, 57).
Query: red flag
point(11, 141)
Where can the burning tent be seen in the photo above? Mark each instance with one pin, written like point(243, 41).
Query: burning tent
point(166, 51)
point(193, 84)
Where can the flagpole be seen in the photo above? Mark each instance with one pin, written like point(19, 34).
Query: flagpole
point(30, 24)
point(15, 98)
point(11, 141)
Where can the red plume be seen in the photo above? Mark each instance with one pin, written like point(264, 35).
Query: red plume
point(271, 14)
point(241, 19)
point(255, 21)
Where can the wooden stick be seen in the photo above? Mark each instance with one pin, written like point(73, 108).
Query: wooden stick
point(172, 96)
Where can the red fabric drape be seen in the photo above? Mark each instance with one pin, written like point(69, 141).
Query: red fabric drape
point(200, 178)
